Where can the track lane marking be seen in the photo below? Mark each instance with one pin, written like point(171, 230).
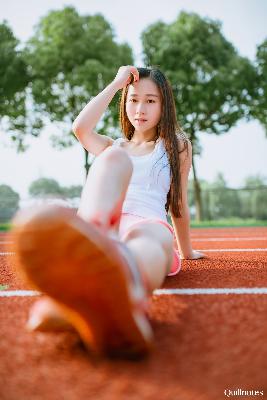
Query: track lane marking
point(160, 292)
point(237, 239)
point(231, 250)
point(208, 250)
point(195, 239)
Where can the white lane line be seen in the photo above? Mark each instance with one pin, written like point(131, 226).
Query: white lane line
point(195, 239)
point(231, 250)
point(20, 293)
point(159, 292)
point(241, 290)
point(208, 250)
point(228, 239)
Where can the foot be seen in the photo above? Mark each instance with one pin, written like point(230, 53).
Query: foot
point(91, 276)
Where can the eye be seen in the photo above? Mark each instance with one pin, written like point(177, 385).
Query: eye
point(133, 100)
point(151, 101)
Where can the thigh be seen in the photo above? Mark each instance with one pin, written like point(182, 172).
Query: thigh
point(147, 227)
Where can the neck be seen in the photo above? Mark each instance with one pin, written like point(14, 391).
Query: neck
point(145, 136)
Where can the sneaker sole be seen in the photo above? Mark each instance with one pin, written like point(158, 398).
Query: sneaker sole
point(75, 264)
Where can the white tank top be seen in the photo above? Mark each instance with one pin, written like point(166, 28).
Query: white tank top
point(150, 183)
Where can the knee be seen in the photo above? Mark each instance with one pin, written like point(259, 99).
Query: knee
point(114, 155)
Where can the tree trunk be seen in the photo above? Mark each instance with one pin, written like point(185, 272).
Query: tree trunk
point(86, 163)
point(197, 191)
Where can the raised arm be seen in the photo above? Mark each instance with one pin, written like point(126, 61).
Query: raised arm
point(181, 225)
point(84, 125)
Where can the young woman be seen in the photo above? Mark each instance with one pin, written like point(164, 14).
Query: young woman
point(98, 267)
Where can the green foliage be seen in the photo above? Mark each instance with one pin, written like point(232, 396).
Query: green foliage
point(13, 78)
point(212, 84)
point(72, 191)
point(9, 203)
point(71, 59)
point(227, 223)
point(259, 104)
point(5, 226)
point(45, 186)
point(13, 82)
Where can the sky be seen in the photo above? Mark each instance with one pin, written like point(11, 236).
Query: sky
point(239, 153)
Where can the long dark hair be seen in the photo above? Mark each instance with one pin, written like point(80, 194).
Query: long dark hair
point(168, 129)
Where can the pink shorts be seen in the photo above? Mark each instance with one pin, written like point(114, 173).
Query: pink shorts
point(129, 220)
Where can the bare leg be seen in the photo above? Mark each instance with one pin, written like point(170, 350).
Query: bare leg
point(105, 189)
point(151, 244)
point(103, 195)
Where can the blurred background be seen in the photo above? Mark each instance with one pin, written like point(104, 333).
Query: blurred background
point(56, 56)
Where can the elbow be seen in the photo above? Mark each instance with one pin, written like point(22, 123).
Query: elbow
point(79, 130)
point(76, 129)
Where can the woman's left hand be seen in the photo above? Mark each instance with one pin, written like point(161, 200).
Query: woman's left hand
point(194, 255)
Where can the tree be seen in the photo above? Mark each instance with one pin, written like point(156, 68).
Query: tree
point(212, 84)
point(72, 191)
point(259, 103)
point(9, 203)
point(13, 82)
point(45, 186)
point(71, 59)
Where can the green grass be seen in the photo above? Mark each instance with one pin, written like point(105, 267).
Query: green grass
point(227, 223)
point(5, 226)
point(3, 287)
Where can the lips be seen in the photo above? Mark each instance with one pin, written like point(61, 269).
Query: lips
point(140, 120)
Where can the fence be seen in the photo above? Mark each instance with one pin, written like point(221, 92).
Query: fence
point(217, 203)
point(223, 202)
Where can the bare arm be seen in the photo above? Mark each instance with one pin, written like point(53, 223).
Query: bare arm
point(181, 228)
point(181, 225)
point(84, 125)
point(86, 121)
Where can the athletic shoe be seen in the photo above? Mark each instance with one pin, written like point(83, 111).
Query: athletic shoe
point(93, 278)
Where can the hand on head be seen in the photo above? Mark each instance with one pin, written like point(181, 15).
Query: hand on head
point(125, 75)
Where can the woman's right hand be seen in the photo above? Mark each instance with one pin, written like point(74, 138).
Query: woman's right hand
point(124, 76)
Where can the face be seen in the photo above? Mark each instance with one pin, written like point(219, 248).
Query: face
point(143, 105)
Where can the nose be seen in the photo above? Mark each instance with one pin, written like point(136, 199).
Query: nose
point(140, 109)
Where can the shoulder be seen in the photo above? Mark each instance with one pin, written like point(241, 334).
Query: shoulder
point(118, 141)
